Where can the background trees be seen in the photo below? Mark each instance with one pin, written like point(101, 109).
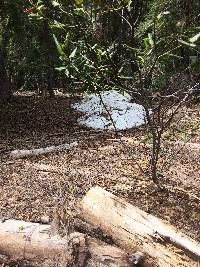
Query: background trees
point(81, 45)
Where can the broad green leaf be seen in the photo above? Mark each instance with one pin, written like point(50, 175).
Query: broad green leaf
point(193, 59)
point(54, 3)
point(58, 46)
point(146, 42)
point(195, 38)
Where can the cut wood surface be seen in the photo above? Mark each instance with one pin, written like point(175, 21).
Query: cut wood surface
point(134, 229)
point(29, 240)
point(21, 240)
point(40, 151)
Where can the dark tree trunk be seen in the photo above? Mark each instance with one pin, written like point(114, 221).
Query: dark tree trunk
point(5, 90)
point(49, 48)
point(50, 83)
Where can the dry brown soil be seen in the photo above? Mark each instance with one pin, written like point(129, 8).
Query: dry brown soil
point(31, 188)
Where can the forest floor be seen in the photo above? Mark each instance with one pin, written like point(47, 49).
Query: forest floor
point(31, 188)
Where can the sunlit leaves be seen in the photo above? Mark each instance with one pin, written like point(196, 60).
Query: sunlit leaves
point(72, 55)
point(195, 38)
point(58, 46)
point(55, 3)
point(187, 43)
point(79, 2)
point(163, 14)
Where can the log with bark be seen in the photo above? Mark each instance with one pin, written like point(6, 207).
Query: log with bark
point(32, 242)
point(133, 229)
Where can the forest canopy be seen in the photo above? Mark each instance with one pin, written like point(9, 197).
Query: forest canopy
point(96, 45)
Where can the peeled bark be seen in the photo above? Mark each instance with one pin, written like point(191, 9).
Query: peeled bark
point(133, 229)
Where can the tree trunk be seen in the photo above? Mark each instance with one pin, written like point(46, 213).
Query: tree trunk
point(5, 91)
point(50, 82)
point(49, 49)
point(132, 229)
point(5, 88)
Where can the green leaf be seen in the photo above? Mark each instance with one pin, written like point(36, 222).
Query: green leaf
point(195, 38)
point(41, 7)
point(141, 59)
point(150, 39)
point(163, 14)
point(193, 59)
point(79, 11)
point(146, 42)
point(67, 72)
point(58, 46)
point(127, 2)
point(186, 43)
point(57, 25)
point(79, 2)
point(72, 55)
point(60, 68)
point(54, 3)
point(21, 228)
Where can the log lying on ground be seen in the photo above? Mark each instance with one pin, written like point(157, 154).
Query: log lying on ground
point(133, 229)
point(29, 240)
point(32, 241)
point(40, 151)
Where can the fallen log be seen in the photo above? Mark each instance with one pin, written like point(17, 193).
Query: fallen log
point(103, 255)
point(29, 240)
point(17, 154)
point(25, 241)
point(133, 229)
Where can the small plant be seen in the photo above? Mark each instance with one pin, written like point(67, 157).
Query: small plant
point(21, 228)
